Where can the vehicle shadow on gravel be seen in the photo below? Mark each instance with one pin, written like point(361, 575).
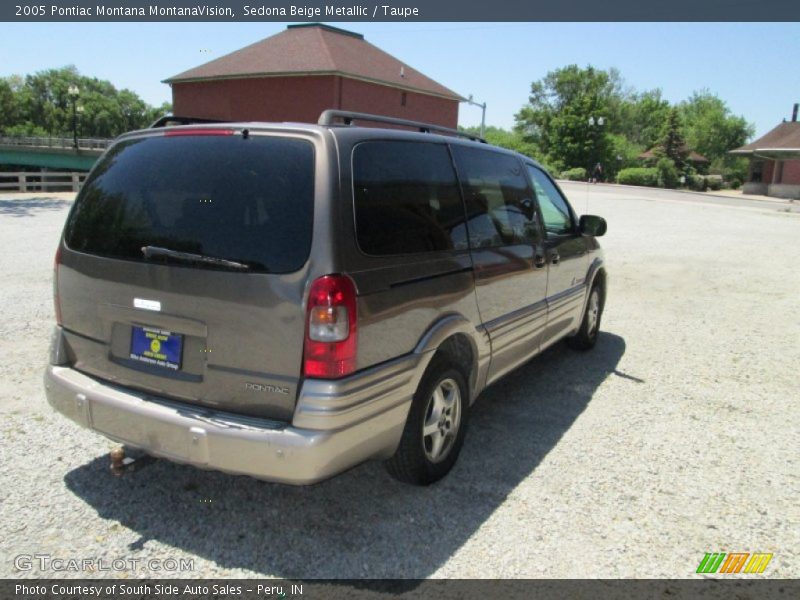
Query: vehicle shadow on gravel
point(29, 207)
point(362, 523)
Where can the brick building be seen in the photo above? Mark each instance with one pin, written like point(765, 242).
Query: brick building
point(775, 161)
point(298, 73)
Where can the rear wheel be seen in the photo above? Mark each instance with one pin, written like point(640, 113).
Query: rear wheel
point(435, 428)
point(586, 337)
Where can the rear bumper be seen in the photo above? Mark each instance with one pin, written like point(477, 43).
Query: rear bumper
point(340, 428)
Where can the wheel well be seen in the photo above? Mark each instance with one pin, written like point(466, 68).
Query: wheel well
point(600, 281)
point(457, 350)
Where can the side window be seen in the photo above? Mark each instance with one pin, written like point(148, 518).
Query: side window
point(499, 201)
point(406, 199)
point(556, 214)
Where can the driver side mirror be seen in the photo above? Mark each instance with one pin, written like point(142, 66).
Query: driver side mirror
point(592, 225)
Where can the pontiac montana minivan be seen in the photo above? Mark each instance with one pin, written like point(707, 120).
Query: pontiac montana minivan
point(287, 301)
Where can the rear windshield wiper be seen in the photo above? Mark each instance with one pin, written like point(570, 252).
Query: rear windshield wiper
point(156, 251)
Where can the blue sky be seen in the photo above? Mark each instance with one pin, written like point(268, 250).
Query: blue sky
point(752, 66)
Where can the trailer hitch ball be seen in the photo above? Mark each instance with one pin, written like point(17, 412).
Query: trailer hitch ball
point(117, 460)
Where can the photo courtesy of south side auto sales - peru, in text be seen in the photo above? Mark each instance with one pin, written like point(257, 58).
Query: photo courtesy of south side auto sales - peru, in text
point(169, 589)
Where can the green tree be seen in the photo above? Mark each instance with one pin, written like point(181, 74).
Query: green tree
point(42, 105)
point(640, 118)
point(8, 105)
point(623, 154)
point(513, 140)
point(711, 129)
point(555, 122)
point(672, 145)
point(556, 118)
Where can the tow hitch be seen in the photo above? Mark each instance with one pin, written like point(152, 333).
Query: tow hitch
point(121, 464)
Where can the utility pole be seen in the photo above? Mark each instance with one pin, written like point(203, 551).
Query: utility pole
point(483, 112)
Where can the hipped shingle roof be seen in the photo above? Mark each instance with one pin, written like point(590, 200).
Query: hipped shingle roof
point(316, 49)
point(784, 137)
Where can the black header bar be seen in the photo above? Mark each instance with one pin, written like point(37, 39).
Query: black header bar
point(401, 10)
point(390, 589)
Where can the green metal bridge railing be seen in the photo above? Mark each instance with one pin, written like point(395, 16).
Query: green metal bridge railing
point(96, 144)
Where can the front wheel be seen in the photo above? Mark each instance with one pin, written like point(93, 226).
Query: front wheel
point(435, 428)
point(586, 337)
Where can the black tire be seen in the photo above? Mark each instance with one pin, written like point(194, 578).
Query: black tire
point(412, 462)
point(586, 338)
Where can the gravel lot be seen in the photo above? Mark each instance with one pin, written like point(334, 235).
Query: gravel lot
point(678, 435)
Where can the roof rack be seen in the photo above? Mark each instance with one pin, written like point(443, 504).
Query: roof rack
point(168, 120)
point(329, 116)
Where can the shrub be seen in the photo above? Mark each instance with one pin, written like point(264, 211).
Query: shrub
point(667, 173)
point(647, 176)
point(703, 183)
point(698, 183)
point(731, 169)
point(576, 174)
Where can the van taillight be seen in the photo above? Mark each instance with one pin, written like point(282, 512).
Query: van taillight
point(331, 324)
point(56, 300)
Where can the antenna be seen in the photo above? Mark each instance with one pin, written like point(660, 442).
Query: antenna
point(586, 211)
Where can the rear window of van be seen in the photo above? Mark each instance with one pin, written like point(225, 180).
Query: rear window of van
point(246, 200)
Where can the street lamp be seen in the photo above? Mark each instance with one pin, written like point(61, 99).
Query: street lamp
point(73, 91)
point(595, 124)
point(79, 110)
point(483, 112)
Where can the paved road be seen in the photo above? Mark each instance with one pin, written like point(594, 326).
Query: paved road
point(578, 192)
point(676, 436)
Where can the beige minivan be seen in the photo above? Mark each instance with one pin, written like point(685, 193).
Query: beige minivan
point(287, 301)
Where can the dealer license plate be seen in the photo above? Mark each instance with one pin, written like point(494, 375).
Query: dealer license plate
point(156, 347)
